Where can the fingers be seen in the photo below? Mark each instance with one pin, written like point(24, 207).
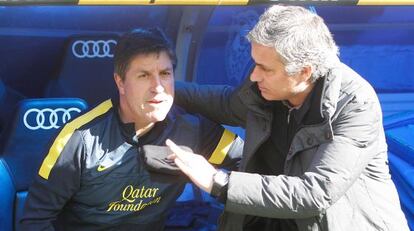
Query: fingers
point(194, 166)
point(170, 144)
point(178, 152)
point(184, 167)
point(177, 155)
point(174, 148)
point(171, 156)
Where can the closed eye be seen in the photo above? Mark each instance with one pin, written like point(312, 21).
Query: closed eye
point(143, 75)
point(166, 74)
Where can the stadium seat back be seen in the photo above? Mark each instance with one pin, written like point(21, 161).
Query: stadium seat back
point(87, 69)
point(25, 143)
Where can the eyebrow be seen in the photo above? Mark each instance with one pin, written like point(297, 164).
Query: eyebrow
point(143, 71)
point(167, 69)
point(262, 66)
point(149, 72)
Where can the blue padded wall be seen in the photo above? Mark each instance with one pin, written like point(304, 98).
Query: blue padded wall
point(400, 139)
point(7, 194)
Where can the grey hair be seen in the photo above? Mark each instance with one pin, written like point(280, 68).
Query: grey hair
point(299, 36)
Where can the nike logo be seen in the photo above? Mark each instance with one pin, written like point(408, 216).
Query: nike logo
point(102, 168)
point(111, 159)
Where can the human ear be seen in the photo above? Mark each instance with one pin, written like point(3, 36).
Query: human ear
point(119, 83)
point(306, 73)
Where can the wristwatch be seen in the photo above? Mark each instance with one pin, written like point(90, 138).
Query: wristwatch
point(220, 183)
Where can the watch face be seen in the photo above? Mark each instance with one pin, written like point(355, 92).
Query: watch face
point(221, 178)
point(220, 181)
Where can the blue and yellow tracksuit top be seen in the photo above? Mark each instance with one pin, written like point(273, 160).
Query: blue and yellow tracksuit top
point(94, 176)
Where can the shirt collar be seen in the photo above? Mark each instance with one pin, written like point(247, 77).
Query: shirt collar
point(302, 110)
point(129, 133)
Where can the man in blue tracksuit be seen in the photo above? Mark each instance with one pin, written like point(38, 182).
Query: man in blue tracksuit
point(107, 169)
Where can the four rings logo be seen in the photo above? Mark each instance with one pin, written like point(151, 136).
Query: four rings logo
point(93, 48)
point(47, 118)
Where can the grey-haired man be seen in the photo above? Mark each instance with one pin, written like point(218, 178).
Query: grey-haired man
point(315, 156)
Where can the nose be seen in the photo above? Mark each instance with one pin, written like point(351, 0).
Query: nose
point(255, 75)
point(156, 84)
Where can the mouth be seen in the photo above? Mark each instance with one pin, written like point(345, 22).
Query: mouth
point(261, 89)
point(156, 101)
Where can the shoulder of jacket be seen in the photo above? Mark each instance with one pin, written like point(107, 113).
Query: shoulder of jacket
point(93, 118)
point(356, 87)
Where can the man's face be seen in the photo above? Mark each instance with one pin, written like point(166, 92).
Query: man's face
point(272, 80)
point(147, 89)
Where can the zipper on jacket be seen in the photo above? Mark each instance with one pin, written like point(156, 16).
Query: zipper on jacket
point(288, 115)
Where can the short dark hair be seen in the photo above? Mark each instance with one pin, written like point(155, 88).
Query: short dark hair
point(140, 41)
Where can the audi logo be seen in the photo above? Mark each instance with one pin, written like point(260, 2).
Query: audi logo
point(93, 48)
point(47, 118)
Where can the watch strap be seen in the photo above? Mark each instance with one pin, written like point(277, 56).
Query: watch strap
point(220, 185)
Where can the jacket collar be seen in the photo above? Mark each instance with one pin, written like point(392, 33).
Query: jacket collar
point(128, 129)
point(301, 112)
point(330, 92)
point(326, 96)
point(250, 96)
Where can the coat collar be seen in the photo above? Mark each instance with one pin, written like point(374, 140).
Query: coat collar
point(250, 96)
point(330, 92)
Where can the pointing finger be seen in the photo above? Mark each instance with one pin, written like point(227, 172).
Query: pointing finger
point(174, 148)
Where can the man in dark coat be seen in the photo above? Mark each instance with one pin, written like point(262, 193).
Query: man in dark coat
point(315, 156)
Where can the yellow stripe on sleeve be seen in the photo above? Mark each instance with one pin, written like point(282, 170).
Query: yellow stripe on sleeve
point(66, 133)
point(222, 148)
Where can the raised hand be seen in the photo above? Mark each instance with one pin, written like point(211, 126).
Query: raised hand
point(195, 166)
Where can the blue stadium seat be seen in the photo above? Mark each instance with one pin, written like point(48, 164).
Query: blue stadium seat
point(393, 103)
point(9, 98)
point(399, 130)
point(87, 69)
point(23, 148)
